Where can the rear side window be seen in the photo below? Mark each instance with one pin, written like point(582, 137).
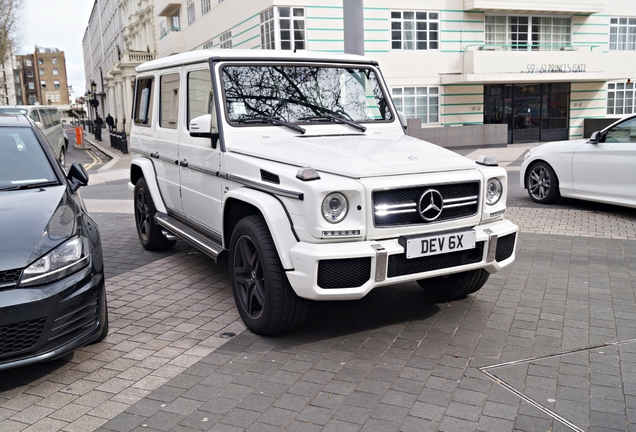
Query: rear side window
point(169, 101)
point(142, 112)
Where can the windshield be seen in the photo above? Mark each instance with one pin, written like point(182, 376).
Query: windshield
point(13, 110)
point(22, 160)
point(299, 94)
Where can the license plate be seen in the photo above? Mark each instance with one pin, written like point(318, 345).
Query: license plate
point(417, 247)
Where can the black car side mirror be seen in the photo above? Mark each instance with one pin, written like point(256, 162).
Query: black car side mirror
point(77, 175)
point(596, 137)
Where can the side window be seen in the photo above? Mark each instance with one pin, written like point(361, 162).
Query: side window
point(142, 111)
point(169, 101)
point(47, 120)
point(200, 97)
point(35, 117)
point(623, 133)
point(56, 116)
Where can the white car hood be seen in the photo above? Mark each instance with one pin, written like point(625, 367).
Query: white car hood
point(357, 156)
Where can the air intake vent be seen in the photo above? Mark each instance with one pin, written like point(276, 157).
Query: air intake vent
point(269, 177)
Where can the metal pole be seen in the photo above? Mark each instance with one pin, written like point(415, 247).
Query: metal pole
point(353, 16)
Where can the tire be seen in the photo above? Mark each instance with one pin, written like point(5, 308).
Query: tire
point(542, 183)
point(62, 158)
point(150, 234)
point(264, 298)
point(455, 286)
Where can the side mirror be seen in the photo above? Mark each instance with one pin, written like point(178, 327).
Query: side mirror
point(595, 137)
point(201, 127)
point(402, 119)
point(77, 175)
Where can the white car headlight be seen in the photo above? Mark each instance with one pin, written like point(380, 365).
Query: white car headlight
point(334, 207)
point(65, 259)
point(494, 190)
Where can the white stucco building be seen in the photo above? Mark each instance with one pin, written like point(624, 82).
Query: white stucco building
point(537, 69)
point(120, 36)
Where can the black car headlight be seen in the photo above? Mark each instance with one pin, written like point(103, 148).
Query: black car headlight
point(334, 207)
point(69, 257)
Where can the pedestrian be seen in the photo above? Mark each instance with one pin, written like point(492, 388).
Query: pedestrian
point(110, 122)
point(98, 128)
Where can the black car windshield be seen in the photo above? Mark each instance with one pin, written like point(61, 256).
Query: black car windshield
point(302, 94)
point(23, 162)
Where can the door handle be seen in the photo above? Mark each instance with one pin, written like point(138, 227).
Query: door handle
point(183, 163)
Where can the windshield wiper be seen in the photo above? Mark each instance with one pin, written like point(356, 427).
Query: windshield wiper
point(337, 119)
point(31, 185)
point(272, 120)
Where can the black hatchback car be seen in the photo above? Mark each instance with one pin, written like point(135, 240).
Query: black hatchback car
point(52, 290)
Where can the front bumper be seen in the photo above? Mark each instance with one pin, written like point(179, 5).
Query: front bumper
point(49, 321)
point(348, 271)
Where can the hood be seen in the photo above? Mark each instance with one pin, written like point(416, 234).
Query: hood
point(32, 222)
point(357, 156)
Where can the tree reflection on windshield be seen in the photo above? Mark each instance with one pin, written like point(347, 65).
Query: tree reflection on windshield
point(298, 93)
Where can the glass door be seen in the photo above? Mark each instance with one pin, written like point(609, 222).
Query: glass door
point(527, 113)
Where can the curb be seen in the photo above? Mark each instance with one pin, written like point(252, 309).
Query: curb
point(113, 157)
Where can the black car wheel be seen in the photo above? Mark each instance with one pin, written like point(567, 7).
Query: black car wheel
point(542, 183)
point(150, 234)
point(264, 298)
point(63, 158)
point(455, 286)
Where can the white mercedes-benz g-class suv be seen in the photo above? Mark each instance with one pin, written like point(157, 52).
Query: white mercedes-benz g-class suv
point(298, 164)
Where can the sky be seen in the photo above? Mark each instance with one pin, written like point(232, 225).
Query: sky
point(58, 24)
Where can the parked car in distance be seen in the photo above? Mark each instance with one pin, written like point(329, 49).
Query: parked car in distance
point(47, 118)
point(52, 291)
point(601, 168)
point(299, 166)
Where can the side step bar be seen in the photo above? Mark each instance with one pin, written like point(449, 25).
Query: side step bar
point(195, 238)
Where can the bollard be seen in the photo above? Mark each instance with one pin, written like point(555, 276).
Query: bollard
point(79, 136)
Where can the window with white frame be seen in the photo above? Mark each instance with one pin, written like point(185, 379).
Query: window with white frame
point(205, 6)
point(29, 63)
point(55, 72)
point(417, 102)
point(288, 23)
point(191, 14)
point(620, 98)
point(208, 44)
point(56, 84)
point(31, 85)
point(414, 30)
point(29, 74)
point(622, 34)
point(41, 72)
point(43, 84)
point(543, 33)
point(268, 29)
point(226, 40)
point(54, 60)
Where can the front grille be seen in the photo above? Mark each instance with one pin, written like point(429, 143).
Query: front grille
point(75, 318)
point(344, 273)
point(399, 265)
point(9, 278)
point(395, 207)
point(505, 247)
point(19, 337)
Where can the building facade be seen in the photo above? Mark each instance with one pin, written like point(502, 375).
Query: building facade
point(538, 70)
point(40, 78)
point(119, 37)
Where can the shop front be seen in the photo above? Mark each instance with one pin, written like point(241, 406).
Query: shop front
point(533, 112)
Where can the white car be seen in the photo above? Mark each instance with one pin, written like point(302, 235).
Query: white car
point(298, 165)
point(601, 168)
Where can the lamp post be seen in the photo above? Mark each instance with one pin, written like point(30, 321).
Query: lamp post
point(94, 103)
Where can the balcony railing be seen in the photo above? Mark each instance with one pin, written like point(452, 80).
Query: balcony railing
point(165, 32)
point(529, 47)
point(137, 57)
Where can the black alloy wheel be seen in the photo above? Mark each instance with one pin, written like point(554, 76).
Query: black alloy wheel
point(150, 234)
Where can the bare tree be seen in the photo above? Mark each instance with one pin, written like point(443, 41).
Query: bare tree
point(10, 14)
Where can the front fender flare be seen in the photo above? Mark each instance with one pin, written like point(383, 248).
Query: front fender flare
point(148, 172)
point(276, 217)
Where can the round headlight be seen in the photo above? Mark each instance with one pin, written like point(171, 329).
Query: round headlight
point(494, 191)
point(334, 207)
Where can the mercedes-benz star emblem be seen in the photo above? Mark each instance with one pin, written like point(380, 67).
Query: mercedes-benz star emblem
point(431, 205)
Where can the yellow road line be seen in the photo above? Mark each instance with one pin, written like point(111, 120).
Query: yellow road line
point(96, 160)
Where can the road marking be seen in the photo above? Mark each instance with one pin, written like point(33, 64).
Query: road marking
point(96, 160)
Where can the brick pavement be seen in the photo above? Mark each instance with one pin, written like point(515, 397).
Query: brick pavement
point(395, 360)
